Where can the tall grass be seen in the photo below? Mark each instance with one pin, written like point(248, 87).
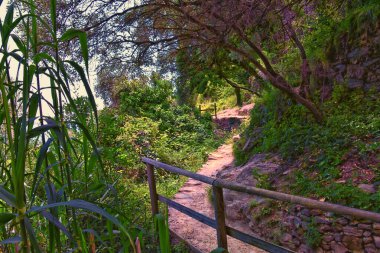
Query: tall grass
point(46, 173)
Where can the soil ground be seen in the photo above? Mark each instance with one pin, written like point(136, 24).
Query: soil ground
point(194, 195)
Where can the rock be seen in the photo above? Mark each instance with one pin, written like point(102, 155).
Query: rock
point(319, 250)
point(305, 212)
point(369, 188)
point(296, 242)
point(353, 243)
point(316, 212)
point(376, 231)
point(358, 52)
point(371, 62)
point(325, 228)
point(297, 222)
point(291, 246)
point(354, 223)
point(367, 233)
point(338, 237)
point(354, 83)
point(286, 237)
point(305, 218)
point(364, 226)
point(340, 68)
point(305, 225)
point(369, 86)
point(342, 221)
point(376, 226)
point(235, 138)
point(322, 220)
point(352, 231)
point(338, 248)
point(377, 241)
point(370, 249)
point(338, 227)
point(367, 240)
point(233, 211)
point(305, 249)
point(328, 238)
point(325, 246)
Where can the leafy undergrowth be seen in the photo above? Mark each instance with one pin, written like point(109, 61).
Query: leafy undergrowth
point(332, 159)
point(148, 122)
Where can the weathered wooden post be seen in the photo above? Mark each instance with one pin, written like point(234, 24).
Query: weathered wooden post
point(215, 110)
point(221, 231)
point(152, 189)
point(200, 108)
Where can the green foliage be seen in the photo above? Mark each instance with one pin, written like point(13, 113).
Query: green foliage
point(345, 194)
point(253, 204)
point(149, 123)
point(162, 228)
point(352, 122)
point(262, 212)
point(210, 195)
point(51, 178)
point(289, 130)
point(263, 180)
point(180, 247)
point(312, 235)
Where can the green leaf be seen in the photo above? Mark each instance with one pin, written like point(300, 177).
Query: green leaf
point(81, 204)
point(12, 240)
point(57, 224)
point(5, 31)
point(41, 56)
point(32, 235)
point(33, 106)
point(40, 158)
point(41, 129)
point(82, 36)
point(19, 43)
point(91, 98)
point(53, 15)
point(90, 139)
point(8, 197)
point(163, 233)
point(6, 217)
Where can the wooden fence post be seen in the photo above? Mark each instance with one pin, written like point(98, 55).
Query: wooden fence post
point(215, 110)
point(152, 189)
point(221, 231)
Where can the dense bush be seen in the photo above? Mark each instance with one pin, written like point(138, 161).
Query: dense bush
point(148, 122)
point(352, 122)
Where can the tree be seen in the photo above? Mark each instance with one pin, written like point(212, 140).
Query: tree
point(236, 26)
point(126, 36)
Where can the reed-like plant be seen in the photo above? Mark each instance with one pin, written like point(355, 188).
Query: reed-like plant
point(48, 175)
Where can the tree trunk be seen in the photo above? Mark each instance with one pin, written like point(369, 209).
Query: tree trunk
point(284, 86)
point(239, 101)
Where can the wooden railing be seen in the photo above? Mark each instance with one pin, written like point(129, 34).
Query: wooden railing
point(209, 109)
point(219, 223)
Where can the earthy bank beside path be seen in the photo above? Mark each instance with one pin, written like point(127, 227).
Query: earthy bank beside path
point(194, 195)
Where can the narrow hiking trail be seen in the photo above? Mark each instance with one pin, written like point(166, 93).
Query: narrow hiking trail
point(194, 194)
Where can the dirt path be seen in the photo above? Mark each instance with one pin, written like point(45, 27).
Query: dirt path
point(194, 195)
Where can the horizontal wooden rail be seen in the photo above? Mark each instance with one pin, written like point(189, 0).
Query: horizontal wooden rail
point(219, 223)
point(209, 109)
point(230, 231)
point(190, 212)
point(310, 203)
